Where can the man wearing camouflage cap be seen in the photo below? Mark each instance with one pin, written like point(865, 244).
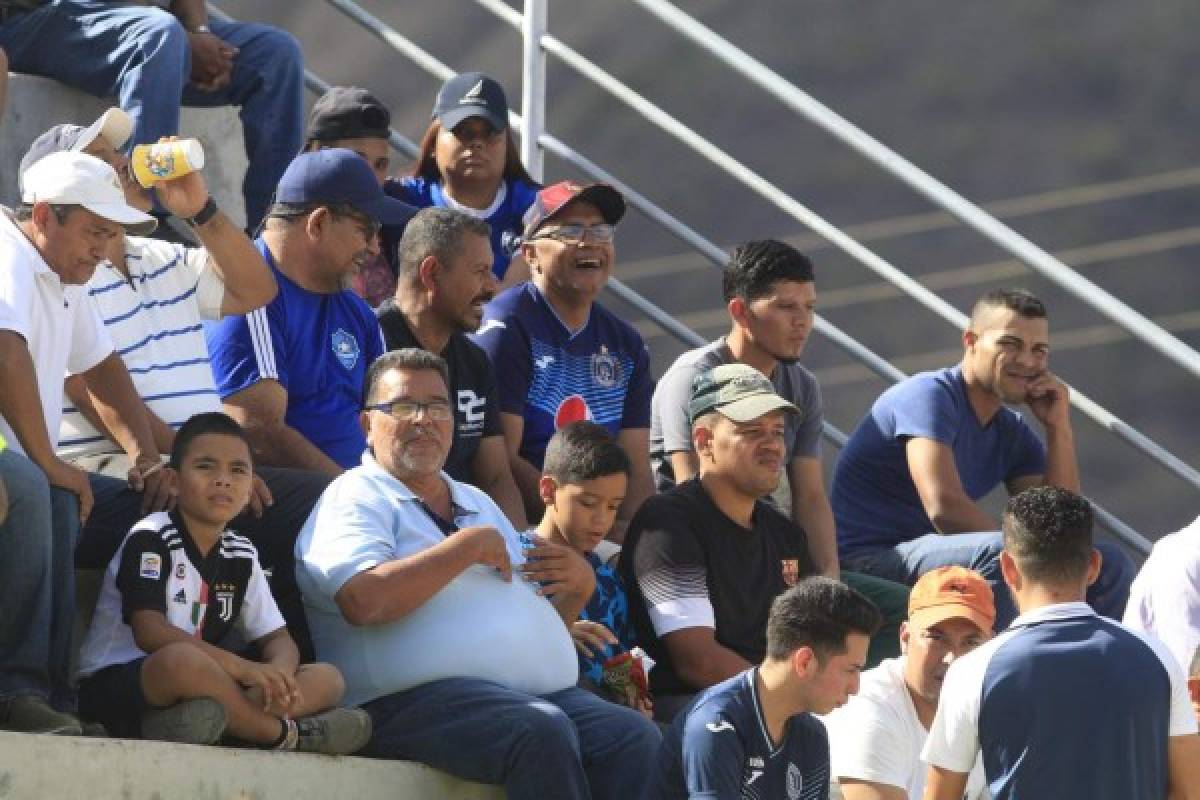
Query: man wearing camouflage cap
point(704, 560)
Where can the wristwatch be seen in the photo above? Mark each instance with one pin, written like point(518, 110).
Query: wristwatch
point(200, 29)
point(205, 214)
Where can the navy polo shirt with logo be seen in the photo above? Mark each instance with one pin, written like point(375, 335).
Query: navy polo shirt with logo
point(1065, 704)
point(552, 376)
point(317, 346)
point(686, 565)
point(719, 748)
point(472, 389)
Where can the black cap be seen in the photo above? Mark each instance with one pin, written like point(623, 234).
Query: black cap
point(471, 94)
point(348, 112)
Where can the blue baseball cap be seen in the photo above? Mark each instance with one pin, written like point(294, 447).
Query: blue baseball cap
point(337, 175)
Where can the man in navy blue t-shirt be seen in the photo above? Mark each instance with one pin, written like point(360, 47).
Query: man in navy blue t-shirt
point(907, 484)
point(560, 356)
point(754, 736)
point(1065, 704)
point(292, 372)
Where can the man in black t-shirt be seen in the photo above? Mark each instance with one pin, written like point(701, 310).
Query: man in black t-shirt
point(445, 277)
point(703, 561)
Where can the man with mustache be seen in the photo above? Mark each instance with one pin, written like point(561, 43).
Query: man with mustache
point(907, 484)
point(704, 560)
point(451, 637)
point(291, 373)
point(445, 277)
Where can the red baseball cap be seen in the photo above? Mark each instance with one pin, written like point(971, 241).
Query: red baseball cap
point(553, 199)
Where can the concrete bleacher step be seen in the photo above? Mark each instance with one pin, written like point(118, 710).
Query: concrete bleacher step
point(69, 768)
point(35, 104)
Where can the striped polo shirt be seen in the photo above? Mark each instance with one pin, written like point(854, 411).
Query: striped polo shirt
point(153, 318)
point(1064, 704)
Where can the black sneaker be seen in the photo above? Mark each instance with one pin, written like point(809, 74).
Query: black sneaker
point(30, 714)
point(337, 732)
point(200, 720)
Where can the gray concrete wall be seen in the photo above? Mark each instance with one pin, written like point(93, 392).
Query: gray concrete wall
point(35, 104)
point(61, 768)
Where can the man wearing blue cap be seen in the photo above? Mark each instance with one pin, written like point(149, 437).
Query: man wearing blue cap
point(292, 372)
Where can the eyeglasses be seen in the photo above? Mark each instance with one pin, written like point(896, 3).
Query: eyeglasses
point(368, 227)
point(601, 234)
point(406, 410)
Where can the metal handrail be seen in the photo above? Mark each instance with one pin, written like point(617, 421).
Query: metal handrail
point(934, 190)
point(658, 315)
point(819, 225)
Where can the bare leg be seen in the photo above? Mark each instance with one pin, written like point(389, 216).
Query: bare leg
point(321, 687)
point(182, 671)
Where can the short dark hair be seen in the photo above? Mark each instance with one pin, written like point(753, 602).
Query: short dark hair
point(1048, 532)
point(404, 358)
point(201, 424)
point(290, 212)
point(755, 267)
point(818, 612)
point(436, 232)
point(24, 211)
point(1022, 301)
point(582, 451)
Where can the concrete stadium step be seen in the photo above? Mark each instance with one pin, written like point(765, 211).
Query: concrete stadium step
point(36, 103)
point(66, 768)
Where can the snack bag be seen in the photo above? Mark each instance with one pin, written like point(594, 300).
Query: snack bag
point(625, 677)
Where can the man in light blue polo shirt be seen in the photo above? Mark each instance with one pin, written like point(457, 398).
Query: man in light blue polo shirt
point(1065, 704)
point(456, 645)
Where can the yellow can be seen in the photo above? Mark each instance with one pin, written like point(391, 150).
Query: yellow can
point(165, 161)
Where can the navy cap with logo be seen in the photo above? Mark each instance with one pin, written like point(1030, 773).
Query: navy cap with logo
point(471, 94)
point(337, 175)
point(737, 391)
point(348, 112)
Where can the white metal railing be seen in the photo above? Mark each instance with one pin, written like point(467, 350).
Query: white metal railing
point(533, 25)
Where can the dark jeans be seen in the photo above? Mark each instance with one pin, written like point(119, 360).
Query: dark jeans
point(569, 745)
point(141, 55)
point(37, 584)
point(908, 561)
point(118, 508)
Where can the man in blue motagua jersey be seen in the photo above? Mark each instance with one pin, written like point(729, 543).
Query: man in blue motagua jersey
point(292, 372)
point(559, 355)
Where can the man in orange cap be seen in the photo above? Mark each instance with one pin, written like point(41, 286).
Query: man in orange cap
point(875, 740)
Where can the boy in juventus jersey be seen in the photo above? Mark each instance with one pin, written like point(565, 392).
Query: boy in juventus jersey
point(754, 736)
point(154, 661)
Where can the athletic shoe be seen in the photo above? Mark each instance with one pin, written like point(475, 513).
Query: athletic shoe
point(29, 714)
point(200, 720)
point(337, 732)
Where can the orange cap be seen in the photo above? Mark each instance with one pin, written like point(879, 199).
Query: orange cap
point(949, 593)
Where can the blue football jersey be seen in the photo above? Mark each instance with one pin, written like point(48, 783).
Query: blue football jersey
point(552, 377)
point(317, 346)
point(719, 747)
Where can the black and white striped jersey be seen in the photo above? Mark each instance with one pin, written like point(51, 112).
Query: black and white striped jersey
point(159, 568)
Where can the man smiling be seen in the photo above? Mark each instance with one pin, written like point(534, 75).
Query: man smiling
point(907, 484)
point(561, 356)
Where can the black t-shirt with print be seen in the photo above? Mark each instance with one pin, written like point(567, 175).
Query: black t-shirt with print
point(682, 552)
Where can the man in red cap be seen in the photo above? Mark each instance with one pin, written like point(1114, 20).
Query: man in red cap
point(875, 739)
point(559, 355)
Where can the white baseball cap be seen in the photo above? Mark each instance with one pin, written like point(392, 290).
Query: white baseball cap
point(70, 178)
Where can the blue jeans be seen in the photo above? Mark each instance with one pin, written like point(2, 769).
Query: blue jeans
point(566, 745)
point(141, 55)
point(908, 561)
point(37, 582)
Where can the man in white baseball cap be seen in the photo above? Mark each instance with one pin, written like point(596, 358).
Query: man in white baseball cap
point(72, 206)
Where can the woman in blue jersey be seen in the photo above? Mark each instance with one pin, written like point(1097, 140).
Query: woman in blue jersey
point(469, 162)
